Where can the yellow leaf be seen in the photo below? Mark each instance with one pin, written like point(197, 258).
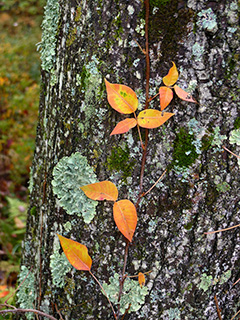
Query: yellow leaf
point(172, 76)
point(104, 190)
point(151, 118)
point(121, 98)
point(76, 253)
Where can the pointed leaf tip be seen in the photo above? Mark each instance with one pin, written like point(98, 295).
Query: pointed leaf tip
point(121, 98)
point(166, 96)
point(151, 118)
point(76, 253)
point(124, 126)
point(104, 190)
point(183, 94)
point(172, 76)
point(125, 217)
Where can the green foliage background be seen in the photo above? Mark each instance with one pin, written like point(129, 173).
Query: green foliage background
point(20, 31)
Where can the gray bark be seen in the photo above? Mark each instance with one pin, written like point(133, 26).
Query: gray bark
point(94, 40)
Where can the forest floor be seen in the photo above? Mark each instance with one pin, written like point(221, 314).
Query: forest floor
point(19, 98)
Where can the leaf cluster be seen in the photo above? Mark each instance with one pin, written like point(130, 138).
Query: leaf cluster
point(124, 100)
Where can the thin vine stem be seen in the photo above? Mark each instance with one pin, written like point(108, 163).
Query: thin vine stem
point(36, 312)
point(115, 316)
point(218, 310)
point(231, 152)
point(211, 232)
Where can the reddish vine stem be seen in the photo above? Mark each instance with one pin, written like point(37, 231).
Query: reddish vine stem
point(147, 99)
point(146, 52)
point(36, 312)
point(218, 310)
point(115, 316)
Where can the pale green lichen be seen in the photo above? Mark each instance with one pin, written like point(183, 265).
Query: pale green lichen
point(49, 26)
point(206, 282)
point(208, 20)
point(221, 186)
point(69, 175)
point(91, 80)
point(197, 51)
point(235, 137)
point(59, 266)
point(174, 314)
point(217, 140)
point(67, 226)
point(133, 294)
point(26, 293)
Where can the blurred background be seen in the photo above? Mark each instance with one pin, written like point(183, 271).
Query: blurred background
point(20, 31)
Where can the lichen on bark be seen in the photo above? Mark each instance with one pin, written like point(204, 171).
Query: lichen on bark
point(170, 236)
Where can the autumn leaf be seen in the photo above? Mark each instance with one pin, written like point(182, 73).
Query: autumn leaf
point(3, 291)
point(104, 190)
point(183, 94)
point(172, 76)
point(151, 118)
point(124, 126)
point(166, 96)
point(76, 253)
point(141, 279)
point(121, 98)
point(125, 217)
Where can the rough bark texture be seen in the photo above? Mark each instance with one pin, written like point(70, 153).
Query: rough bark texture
point(94, 40)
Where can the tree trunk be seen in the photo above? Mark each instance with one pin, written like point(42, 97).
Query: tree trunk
point(83, 43)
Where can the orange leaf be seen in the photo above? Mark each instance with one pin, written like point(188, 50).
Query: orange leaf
point(104, 190)
point(124, 126)
point(76, 253)
point(125, 217)
point(151, 118)
point(183, 94)
point(166, 96)
point(121, 98)
point(141, 279)
point(172, 76)
point(4, 293)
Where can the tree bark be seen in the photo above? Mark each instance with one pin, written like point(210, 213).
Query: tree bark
point(83, 43)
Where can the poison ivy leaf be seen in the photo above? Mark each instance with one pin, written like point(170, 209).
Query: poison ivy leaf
point(151, 118)
point(166, 96)
point(124, 126)
point(141, 279)
point(125, 217)
point(76, 253)
point(183, 94)
point(121, 98)
point(172, 76)
point(104, 190)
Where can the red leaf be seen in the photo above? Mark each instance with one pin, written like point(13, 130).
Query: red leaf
point(172, 76)
point(151, 118)
point(124, 126)
point(121, 98)
point(166, 96)
point(76, 253)
point(125, 217)
point(183, 94)
point(104, 190)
